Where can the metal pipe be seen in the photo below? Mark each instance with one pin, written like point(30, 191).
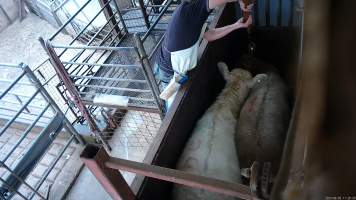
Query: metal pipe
point(24, 134)
point(113, 182)
point(12, 85)
point(97, 64)
point(156, 47)
point(156, 22)
point(149, 109)
point(120, 16)
point(8, 187)
point(184, 178)
point(48, 171)
point(149, 74)
point(93, 47)
point(108, 79)
point(113, 88)
point(47, 96)
point(108, 13)
point(144, 13)
point(18, 113)
point(10, 65)
point(130, 98)
point(69, 20)
point(19, 179)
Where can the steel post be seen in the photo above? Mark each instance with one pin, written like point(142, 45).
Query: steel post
point(94, 157)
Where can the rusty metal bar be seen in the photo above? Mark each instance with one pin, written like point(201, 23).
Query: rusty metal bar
point(94, 157)
point(180, 177)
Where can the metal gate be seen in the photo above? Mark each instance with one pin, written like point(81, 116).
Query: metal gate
point(30, 121)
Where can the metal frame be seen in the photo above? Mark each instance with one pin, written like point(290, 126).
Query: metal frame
point(106, 169)
point(34, 152)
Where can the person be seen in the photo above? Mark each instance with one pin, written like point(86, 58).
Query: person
point(179, 50)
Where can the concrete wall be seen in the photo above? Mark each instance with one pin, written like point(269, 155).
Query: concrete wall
point(11, 9)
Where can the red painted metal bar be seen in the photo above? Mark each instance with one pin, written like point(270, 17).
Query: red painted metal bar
point(184, 178)
point(94, 157)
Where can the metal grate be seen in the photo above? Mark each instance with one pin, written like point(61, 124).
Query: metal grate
point(31, 126)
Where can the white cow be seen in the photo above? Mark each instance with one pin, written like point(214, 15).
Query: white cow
point(211, 150)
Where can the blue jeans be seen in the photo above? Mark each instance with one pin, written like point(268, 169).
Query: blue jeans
point(162, 75)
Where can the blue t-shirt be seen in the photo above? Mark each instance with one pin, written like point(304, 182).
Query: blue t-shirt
point(183, 30)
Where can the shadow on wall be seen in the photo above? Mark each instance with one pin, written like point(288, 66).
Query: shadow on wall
point(9, 12)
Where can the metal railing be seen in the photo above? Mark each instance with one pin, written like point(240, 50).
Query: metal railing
point(28, 140)
point(106, 170)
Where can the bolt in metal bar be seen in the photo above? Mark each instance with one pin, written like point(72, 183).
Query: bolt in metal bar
point(149, 74)
point(48, 171)
point(24, 134)
point(12, 85)
point(18, 113)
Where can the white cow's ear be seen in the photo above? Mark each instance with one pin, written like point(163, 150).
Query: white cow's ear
point(224, 70)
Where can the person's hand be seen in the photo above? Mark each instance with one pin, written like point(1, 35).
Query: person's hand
point(241, 24)
point(244, 8)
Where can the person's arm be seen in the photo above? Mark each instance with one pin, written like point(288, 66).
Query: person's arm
point(217, 33)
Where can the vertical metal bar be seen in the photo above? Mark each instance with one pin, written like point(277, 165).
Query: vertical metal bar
point(94, 157)
point(63, 75)
point(43, 178)
point(48, 97)
point(18, 113)
point(24, 134)
point(108, 13)
point(2, 164)
point(146, 67)
point(8, 187)
point(120, 16)
point(144, 13)
point(12, 85)
point(267, 12)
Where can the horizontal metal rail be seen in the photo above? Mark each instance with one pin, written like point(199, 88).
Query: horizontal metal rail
point(19, 179)
point(69, 20)
point(53, 164)
point(10, 65)
point(92, 47)
point(149, 109)
point(18, 113)
point(24, 134)
point(108, 79)
point(113, 88)
point(97, 64)
point(180, 177)
point(12, 85)
point(130, 98)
